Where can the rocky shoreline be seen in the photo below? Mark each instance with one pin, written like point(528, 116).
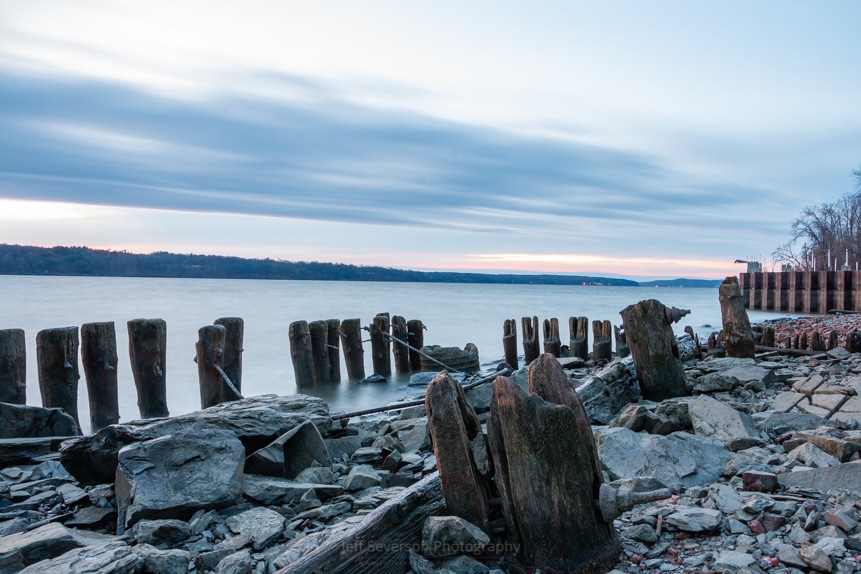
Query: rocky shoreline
point(763, 458)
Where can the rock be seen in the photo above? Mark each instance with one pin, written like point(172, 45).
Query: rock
point(262, 525)
point(607, 392)
point(361, 476)
point(815, 558)
point(444, 536)
point(161, 534)
point(841, 520)
point(417, 438)
point(420, 564)
point(272, 491)
point(714, 382)
point(155, 561)
point(343, 447)
point(114, 557)
point(23, 421)
point(758, 481)
point(638, 418)
point(44, 543)
point(366, 454)
point(316, 475)
point(291, 453)
point(462, 565)
point(256, 421)
point(716, 420)
point(694, 519)
point(642, 532)
point(725, 498)
point(810, 455)
point(752, 375)
point(175, 475)
point(237, 563)
point(734, 560)
point(839, 444)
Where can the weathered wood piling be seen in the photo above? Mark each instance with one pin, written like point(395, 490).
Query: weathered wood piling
point(738, 334)
point(100, 360)
point(578, 345)
point(509, 342)
point(334, 348)
point(416, 339)
point(233, 340)
point(319, 331)
point(300, 353)
point(148, 355)
point(354, 352)
point(552, 344)
point(209, 359)
point(400, 337)
point(13, 367)
point(381, 345)
point(531, 347)
point(602, 344)
point(57, 359)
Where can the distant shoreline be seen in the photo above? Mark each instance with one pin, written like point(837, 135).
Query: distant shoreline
point(87, 262)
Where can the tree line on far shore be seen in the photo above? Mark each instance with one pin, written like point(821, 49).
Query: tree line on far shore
point(828, 232)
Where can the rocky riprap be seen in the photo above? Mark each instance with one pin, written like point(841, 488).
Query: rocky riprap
point(763, 456)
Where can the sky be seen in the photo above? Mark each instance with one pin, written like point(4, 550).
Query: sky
point(623, 138)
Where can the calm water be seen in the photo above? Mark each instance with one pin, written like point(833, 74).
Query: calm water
point(453, 314)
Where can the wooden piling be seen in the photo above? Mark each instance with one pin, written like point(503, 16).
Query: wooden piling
point(399, 350)
point(13, 367)
point(210, 354)
point(300, 353)
point(416, 340)
point(334, 350)
point(622, 348)
point(319, 352)
point(767, 337)
point(233, 338)
point(509, 342)
point(531, 350)
point(736, 324)
point(354, 352)
point(552, 344)
point(833, 340)
point(99, 358)
point(147, 352)
point(381, 345)
point(602, 333)
point(816, 342)
point(57, 359)
point(578, 346)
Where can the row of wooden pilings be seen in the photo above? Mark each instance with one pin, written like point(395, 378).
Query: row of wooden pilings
point(802, 291)
point(603, 333)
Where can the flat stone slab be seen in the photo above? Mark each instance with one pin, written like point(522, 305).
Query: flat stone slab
point(846, 475)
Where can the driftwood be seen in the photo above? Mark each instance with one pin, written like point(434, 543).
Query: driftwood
point(416, 340)
point(380, 543)
point(654, 349)
point(13, 367)
point(509, 342)
point(147, 352)
point(400, 351)
point(57, 358)
point(334, 350)
point(531, 349)
point(301, 354)
point(354, 352)
point(602, 333)
point(736, 324)
point(99, 357)
point(552, 344)
point(791, 352)
point(319, 331)
point(233, 338)
point(578, 346)
point(381, 345)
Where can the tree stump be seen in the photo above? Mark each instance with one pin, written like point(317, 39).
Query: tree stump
point(552, 344)
point(147, 353)
point(57, 358)
point(354, 352)
point(400, 351)
point(334, 349)
point(602, 349)
point(300, 353)
point(509, 342)
point(654, 349)
point(319, 331)
point(736, 324)
point(13, 367)
point(381, 345)
point(530, 339)
point(209, 355)
point(233, 337)
point(548, 486)
point(416, 339)
point(453, 425)
point(99, 357)
point(578, 346)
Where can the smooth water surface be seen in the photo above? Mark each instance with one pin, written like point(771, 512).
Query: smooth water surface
point(454, 314)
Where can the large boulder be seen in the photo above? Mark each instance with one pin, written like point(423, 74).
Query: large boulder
point(115, 557)
point(23, 421)
point(716, 420)
point(256, 421)
point(44, 543)
point(174, 475)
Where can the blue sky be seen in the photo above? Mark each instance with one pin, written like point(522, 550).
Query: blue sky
point(642, 139)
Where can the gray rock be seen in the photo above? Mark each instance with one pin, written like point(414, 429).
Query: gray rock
point(271, 491)
point(463, 565)
point(733, 560)
point(642, 532)
point(291, 453)
point(236, 563)
point(694, 519)
point(24, 421)
point(725, 498)
point(790, 556)
point(714, 382)
point(417, 438)
point(343, 447)
point(638, 418)
point(757, 375)
point(44, 543)
point(316, 475)
point(783, 423)
point(161, 534)
point(444, 536)
point(846, 475)
point(114, 557)
point(155, 561)
point(816, 559)
point(606, 393)
point(262, 525)
point(718, 421)
point(811, 455)
point(175, 475)
point(361, 476)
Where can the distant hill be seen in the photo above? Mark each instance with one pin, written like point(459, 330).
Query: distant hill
point(27, 260)
point(683, 283)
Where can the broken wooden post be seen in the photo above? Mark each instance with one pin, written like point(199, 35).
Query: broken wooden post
point(622, 348)
point(453, 426)
point(209, 355)
point(319, 331)
point(300, 352)
point(853, 342)
point(334, 350)
point(232, 360)
point(654, 349)
point(354, 352)
point(147, 353)
point(509, 342)
point(416, 339)
point(602, 349)
point(816, 342)
point(57, 358)
point(530, 339)
point(736, 324)
point(767, 337)
point(552, 344)
point(13, 367)
point(99, 357)
point(578, 346)
point(381, 345)
point(802, 342)
point(570, 534)
point(400, 350)
point(833, 340)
